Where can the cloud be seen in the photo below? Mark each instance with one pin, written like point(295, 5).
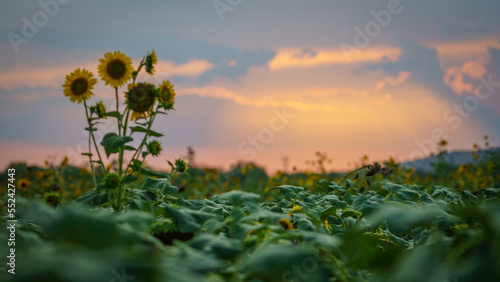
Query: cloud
point(423, 63)
point(167, 69)
point(306, 58)
point(464, 49)
point(53, 76)
point(474, 68)
point(456, 77)
point(35, 77)
point(192, 68)
point(392, 80)
point(222, 93)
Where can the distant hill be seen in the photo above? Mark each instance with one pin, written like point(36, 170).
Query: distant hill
point(454, 158)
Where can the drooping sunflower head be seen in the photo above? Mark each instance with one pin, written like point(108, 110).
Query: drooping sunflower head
point(23, 184)
point(140, 99)
point(115, 69)
point(79, 85)
point(99, 108)
point(373, 169)
point(167, 95)
point(151, 60)
point(154, 147)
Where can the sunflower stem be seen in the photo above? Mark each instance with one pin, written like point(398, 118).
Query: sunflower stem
point(137, 152)
point(118, 110)
point(347, 175)
point(95, 143)
point(90, 143)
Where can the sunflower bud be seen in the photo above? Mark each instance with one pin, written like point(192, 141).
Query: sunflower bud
point(52, 199)
point(154, 147)
point(180, 165)
point(99, 109)
point(112, 180)
point(151, 60)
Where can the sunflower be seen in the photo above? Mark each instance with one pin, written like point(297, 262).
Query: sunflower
point(167, 95)
point(286, 224)
point(38, 174)
point(151, 60)
point(140, 99)
point(23, 184)
point(115, 69)
point(79, 85)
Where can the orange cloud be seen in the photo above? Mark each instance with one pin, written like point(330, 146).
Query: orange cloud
point(474, 69)
point(455, 77)
point(53, 76)
point(451, 51)
point(297, 57)
point(392, 80)
point(222, 93)
point(193, 68)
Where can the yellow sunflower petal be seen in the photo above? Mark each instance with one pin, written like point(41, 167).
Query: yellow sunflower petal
point(115, 69)
point(79, 85)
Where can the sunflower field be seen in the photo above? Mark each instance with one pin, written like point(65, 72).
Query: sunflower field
point(124, 221)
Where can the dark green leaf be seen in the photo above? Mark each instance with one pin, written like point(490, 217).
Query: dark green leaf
point(112, 142)
point(112, 114)
point(143, 129)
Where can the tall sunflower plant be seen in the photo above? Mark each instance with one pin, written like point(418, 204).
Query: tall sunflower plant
point(143, 102)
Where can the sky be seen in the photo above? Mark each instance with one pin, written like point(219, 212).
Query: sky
point(260, 81)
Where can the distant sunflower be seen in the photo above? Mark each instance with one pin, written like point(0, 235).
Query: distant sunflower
point(23, 184)
point(286, 224)
point(140, 99)
point(325, 224)
point(167, 94)
point(151, 60)
point(79, 85)
point(115, 69)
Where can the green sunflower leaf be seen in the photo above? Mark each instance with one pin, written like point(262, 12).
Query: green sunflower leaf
point(289, 191)
point(112, 143)
point(143, 129)
point(112, 114)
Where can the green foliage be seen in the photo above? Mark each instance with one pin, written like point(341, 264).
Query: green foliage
point(395, 232)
